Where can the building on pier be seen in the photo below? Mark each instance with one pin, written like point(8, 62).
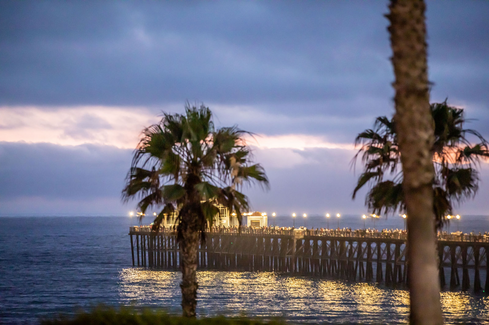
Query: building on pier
point(256, 219)
point(226, 219)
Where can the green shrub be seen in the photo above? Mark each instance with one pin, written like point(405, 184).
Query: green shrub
point(103, 315)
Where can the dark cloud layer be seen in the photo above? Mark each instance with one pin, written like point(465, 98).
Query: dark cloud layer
point(65, 172)
point(128, 53)
point(37, 174)
point(242, 52)
point(326, 58)
point(49, 179)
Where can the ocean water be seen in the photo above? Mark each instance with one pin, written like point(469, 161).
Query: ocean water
point(51, 265)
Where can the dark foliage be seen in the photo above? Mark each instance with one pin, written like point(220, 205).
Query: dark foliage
point(129, 316)
point(455, 159)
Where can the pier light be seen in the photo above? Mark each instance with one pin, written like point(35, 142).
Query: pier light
point(448, 223)
point(404, 216)
point(364, 217)
point(304, 215)
point(305, 222)
point(327, 218)
point(458, 222)
point(154, 213)
point(131, 213)
point(338, 217)
point(374, 217)
point(274, 214)
point(293, 218)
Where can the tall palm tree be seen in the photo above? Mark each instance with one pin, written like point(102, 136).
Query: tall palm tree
point(415, 135)
point(184, 164)
point(454, 156)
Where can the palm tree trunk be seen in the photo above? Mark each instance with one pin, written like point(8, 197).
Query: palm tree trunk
point(414, 125)
point(189, 249)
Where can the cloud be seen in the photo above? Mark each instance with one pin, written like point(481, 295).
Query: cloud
point(321, 180)
point(297, 141)
point(46, 179)
point(279, 158)
point(75, 125)
point(318, 119)
point(316, 186)
point(62, 172)
point(152, 54)
point(29, 206)
point(54, 179)
point(120, 127)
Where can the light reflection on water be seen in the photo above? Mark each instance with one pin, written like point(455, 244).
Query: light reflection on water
point(297, 299)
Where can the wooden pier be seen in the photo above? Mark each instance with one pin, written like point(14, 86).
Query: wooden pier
point(352, 255)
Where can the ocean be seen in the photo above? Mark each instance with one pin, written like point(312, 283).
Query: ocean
point(51, 265)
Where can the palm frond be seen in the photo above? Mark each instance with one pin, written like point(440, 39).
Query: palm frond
point(173, 192)
point(386, 197)
point(152, 199)
point(207, 191)
point(473, 154)
point(461, 183)
point(209, 211)
point(441, 205)
point(254, 173)
point(364, 179)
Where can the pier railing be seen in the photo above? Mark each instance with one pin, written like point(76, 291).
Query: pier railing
point(359, 233)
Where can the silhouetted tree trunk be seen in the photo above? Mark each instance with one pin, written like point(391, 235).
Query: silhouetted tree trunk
point(414, 125)
point(189, 248)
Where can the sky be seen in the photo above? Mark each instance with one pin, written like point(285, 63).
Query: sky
point(79, 80)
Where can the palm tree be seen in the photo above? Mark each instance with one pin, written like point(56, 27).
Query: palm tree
point(184, 165)
point(455, 160)
point(415, 136)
